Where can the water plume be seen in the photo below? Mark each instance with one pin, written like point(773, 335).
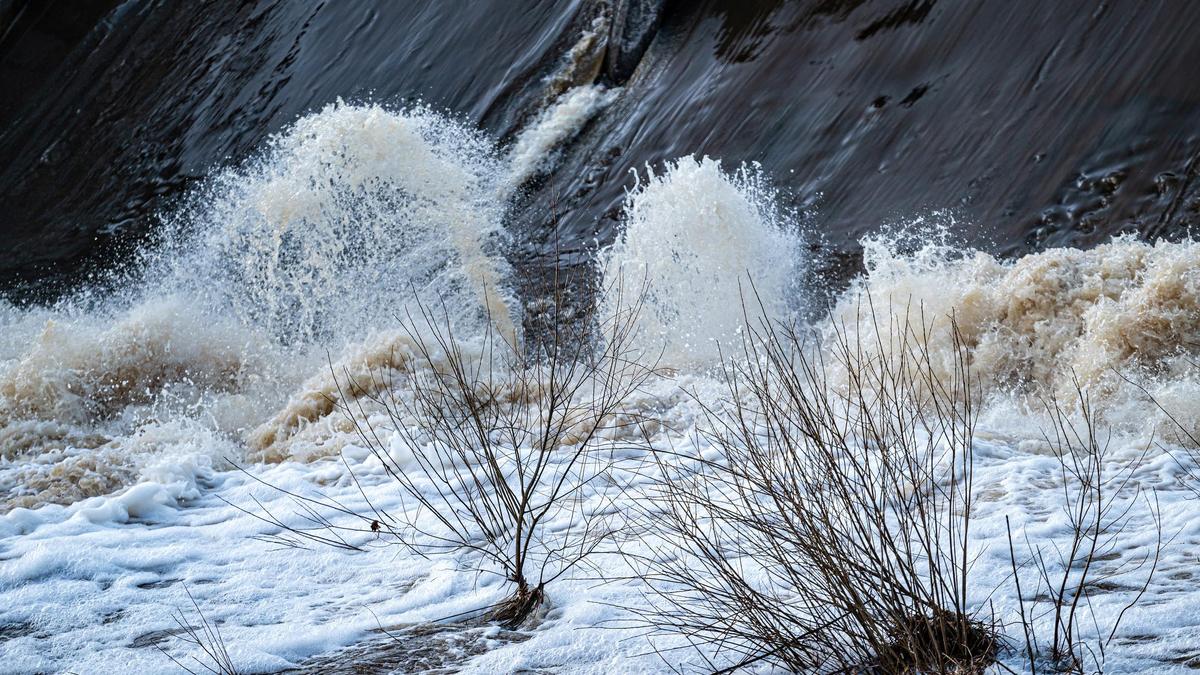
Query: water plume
point(700, 241)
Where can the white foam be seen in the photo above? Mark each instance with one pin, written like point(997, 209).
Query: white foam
point(342, 219)
point(701, 240)
point(1038, 325)
point(336, 229)
point(125, 411)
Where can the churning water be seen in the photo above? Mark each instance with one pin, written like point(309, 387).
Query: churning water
point(220, 346)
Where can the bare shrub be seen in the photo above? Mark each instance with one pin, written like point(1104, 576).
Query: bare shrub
point(213, 655)
point(1182, 431)
point(831, 535)
point(1062, 631)
point(501, 450)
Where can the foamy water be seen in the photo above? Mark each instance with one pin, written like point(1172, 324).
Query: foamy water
point(535, 150)
point(1120, 320)
point(344, 223)
point(287, 278)
point(342, 219)
point(710, 251)
point(307, 257)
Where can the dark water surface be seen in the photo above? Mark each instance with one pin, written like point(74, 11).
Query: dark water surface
point(1037, 123)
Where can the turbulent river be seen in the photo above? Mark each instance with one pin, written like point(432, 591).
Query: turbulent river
point(243, 214)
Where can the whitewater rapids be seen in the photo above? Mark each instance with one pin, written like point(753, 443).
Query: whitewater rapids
point(122, 413)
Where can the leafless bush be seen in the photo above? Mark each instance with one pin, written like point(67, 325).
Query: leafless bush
point(1180, 429)
point(214, 656)
point(831, 535)
point(1097, 502)
point(500, 450)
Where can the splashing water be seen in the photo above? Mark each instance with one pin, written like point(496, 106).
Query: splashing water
point(1121, 321)
point(699, 241)
point(220, 348)
point(342, 218)
point(345, 219)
